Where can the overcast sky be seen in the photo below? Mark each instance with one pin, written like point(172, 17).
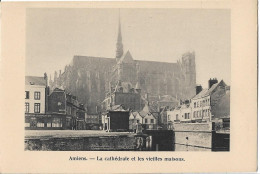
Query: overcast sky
point(54, 36)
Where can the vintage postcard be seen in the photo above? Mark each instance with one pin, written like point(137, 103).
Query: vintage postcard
point(129, 87)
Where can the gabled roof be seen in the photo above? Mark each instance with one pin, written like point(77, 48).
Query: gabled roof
point(206, 92)
point(143, 113)
point(126, 58)
point(134, 114)
point(33, 80)
point(213, 87)
point(149, 115)
point(117, 108)
point(147, 110)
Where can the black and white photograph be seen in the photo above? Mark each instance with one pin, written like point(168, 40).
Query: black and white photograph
point(124, 79)
point(129, 87)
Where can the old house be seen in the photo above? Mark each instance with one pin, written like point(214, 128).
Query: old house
point(180, 114)
point(36, 91)
point(68, 112)
point(57, 110)
point(206, 105)
point(135, 121)
point(149, 120)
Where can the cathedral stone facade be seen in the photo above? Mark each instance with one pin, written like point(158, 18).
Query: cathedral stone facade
point(92, 78)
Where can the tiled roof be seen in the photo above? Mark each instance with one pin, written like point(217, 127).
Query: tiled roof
point(201, 94)
point(206, 92)
point(33, 80)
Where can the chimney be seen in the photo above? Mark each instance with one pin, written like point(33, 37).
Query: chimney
point(186, 102)
point(212, 82)
point(46, 79)
point(198, 89)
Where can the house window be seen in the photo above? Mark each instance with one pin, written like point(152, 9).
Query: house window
point(26, 107)
point(146, 121)
point(49, 124)
point(195, 105)
point(56, 122)
point(177, 117)
point(27, 96)
point(137, 121)
point(152, 121)
point(37, 95)
point(194, 114)
point(37, 108)
point(40, 124)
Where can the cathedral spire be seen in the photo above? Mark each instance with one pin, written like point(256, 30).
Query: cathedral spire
point(119, 44)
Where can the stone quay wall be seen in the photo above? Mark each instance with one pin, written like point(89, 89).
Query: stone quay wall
point(102, 143)
point(193, 137)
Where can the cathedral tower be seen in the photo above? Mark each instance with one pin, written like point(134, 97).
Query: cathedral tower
point(119, 44)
